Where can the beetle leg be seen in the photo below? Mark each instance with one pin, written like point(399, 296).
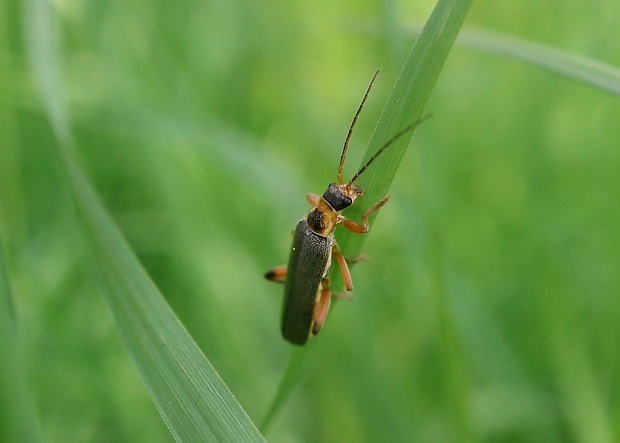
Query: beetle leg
point(321, 306)
point(372, 210)
point(313, 199)
point(353, 226)
point(277, 274)
point(344, 268)
point(362, 228)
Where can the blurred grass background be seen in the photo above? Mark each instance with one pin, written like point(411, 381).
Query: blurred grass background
point(203, 125)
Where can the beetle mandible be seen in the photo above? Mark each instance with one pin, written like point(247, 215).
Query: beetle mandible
point(307, 296)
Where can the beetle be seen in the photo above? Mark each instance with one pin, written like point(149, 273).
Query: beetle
point(307, 296)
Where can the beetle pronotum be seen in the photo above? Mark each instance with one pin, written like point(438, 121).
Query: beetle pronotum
point(306, 292)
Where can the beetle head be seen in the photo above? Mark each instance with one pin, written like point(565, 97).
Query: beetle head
point(342, 196)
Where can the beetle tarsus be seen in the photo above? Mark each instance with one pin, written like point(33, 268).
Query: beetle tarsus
point(277, 274)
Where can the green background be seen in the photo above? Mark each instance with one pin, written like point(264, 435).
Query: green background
point(491, 307)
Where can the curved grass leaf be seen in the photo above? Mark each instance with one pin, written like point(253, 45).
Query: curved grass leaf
point(18, 420)
point(573, 66)
point(292, 371)
point(404, 107)
point(195, 403)
point(193, 400)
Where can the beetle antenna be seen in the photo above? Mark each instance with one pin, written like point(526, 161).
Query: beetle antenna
point(389, 142)
point(346, 142)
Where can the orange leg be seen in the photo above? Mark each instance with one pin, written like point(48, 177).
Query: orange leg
point(344, 268)
point(321, 306)
point(324, 296)
point(362, 228)
point(313, 199)
point(277, 274)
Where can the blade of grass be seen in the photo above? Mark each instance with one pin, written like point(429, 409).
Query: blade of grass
point(18, 421)
point(194, 402)
point(405, 106)
point(291, 374)
point(577, 67)
point(18, 417)
point(573, 66)
point(587, 70)
point(12, 200)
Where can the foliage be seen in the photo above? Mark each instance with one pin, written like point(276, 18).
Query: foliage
point(489, 309)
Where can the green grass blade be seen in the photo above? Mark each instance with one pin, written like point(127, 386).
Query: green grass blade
point(193, 400)
point(18, 421)
point(18, 418)
point(405, 106)
point(573, 66)
point(195, 403)
point(288, 381)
